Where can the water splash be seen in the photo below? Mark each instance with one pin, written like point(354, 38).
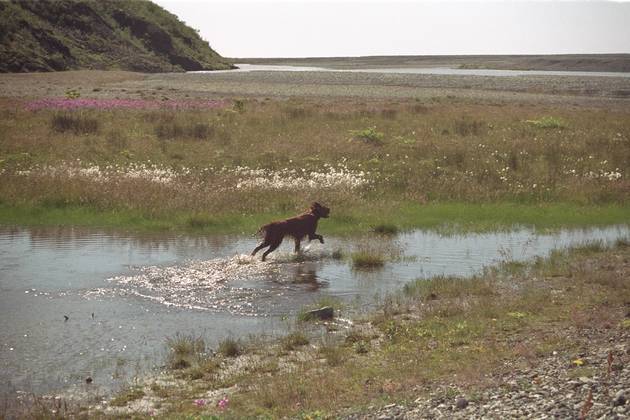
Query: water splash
point(240, 284)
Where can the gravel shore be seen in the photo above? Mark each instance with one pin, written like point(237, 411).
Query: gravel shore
point(556, 385)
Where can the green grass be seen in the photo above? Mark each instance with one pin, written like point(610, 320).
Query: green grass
point(444, 216)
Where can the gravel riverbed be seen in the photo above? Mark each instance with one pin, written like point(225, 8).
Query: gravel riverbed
point(556, 385)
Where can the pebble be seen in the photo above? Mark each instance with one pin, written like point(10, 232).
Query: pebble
point(620, 399)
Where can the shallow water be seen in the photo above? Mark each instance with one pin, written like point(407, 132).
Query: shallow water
point(422, 70)
point(124, 294)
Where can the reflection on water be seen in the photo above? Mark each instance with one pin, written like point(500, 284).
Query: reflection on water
point(124, 294)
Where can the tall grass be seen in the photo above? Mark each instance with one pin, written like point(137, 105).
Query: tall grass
point(76, 123)
point(184, 350)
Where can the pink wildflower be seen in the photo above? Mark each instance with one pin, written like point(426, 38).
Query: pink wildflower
point(223, 403)
point(200, 403)
point(107, 104)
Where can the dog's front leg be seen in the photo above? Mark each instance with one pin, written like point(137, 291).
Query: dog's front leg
point(316, 236)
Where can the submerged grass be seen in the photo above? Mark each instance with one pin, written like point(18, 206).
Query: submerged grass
point(367, 260)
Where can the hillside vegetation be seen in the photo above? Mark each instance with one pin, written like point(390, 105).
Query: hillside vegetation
point(49, 35)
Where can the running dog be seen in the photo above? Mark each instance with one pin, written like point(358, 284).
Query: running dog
point(297, 227)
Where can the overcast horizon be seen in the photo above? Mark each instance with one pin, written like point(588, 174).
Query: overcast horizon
point(241, 29)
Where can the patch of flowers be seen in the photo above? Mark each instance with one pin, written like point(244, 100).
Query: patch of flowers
point(602, 174)
point(140, 171)
point(293, 179)
point(222, 179)
point(108, 104)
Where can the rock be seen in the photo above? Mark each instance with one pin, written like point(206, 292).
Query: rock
point(461, 403)
point(325, 313)
point(620, 399)
point(88, 380)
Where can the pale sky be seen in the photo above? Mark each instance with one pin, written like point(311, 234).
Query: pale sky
point(241, 28)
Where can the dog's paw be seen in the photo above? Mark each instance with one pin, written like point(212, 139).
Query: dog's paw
point(321, 240)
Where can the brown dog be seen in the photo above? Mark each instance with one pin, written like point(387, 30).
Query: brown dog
point(298, 227)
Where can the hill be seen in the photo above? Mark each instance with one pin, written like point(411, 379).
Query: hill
point(49, 35)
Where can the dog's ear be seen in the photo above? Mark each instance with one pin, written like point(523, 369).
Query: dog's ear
point(315, 206)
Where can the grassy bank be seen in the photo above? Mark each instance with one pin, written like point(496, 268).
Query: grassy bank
point(448, 217)
point(235, 164)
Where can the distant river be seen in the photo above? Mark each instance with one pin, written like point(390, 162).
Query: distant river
point(423, 70)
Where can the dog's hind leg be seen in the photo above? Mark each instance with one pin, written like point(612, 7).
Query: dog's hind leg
point(259, 247)
point(297, 246)
point(271, 248)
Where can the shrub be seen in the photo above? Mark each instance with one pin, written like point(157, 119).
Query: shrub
point(75, 123)
point(467, 127)
point(297, 113)
point(294, 340)
point(230, 348)
point(171, 130)
point(239, 105)
point(73, 94)
point(389, 114)
point(369, 135)
point(333, 354)
point(168, 131)
point(419, 109)
point(184, 350)
point(361, 347)
point(201, 131)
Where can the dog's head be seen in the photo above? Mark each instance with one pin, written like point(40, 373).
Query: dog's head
point(319, 210)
